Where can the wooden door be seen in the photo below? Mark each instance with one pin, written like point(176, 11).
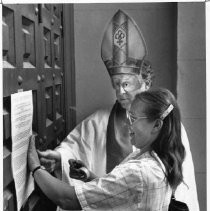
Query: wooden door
point(33, 60)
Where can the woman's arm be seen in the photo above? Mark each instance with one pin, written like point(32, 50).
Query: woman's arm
point(61, 194)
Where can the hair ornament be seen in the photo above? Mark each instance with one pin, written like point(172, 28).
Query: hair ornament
point(167, 112)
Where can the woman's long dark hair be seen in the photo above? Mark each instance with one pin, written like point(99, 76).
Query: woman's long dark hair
point(168, 144)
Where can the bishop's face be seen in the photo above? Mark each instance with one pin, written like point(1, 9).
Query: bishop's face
point(126, 87)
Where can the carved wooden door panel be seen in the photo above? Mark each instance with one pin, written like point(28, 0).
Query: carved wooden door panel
point(52, 74)
point(32, 60)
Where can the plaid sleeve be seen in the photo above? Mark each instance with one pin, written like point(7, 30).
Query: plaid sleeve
point(121, 189)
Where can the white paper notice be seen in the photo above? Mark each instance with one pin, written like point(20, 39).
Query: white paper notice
point(21, 119)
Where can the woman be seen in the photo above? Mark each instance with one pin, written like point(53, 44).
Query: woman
point(145, 179)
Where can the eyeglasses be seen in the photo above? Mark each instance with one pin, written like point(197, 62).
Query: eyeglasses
point(132, 119)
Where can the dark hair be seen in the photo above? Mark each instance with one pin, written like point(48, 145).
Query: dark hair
point(168, 144)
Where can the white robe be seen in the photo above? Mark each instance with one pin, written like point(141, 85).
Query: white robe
point(87, 142)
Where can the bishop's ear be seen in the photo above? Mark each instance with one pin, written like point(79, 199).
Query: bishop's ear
point(157, 125)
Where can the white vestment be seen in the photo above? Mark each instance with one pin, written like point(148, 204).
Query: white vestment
point(87, 142)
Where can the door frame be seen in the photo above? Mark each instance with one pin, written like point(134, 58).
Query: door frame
point(69, 66)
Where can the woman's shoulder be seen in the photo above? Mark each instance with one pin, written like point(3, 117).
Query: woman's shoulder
point(148, 163)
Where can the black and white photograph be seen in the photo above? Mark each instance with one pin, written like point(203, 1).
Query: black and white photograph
point(104, 105)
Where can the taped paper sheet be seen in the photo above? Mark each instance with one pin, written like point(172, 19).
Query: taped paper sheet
point(21, 119)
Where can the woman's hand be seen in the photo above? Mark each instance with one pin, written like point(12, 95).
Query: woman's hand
point(76, 171)
point(33, 159)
